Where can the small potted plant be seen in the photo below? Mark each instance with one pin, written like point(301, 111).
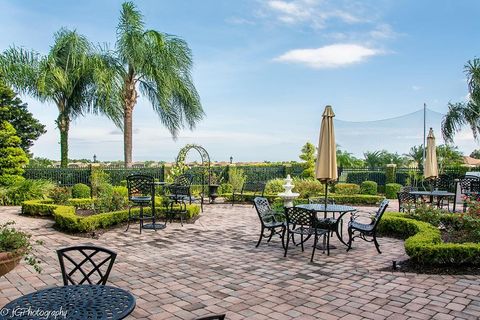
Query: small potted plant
point(15, 245)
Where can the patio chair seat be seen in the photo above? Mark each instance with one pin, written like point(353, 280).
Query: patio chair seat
point(274, 224)
point(308, 231)
point(361, 226)
point(141, 199)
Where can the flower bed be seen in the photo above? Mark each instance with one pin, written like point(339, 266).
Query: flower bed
point(423, 242)
point(67, 220)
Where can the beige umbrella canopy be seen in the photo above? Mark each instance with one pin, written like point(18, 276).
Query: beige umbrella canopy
point(326, 165)
point(430, 170)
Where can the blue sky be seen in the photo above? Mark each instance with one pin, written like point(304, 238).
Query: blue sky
point(266, 69)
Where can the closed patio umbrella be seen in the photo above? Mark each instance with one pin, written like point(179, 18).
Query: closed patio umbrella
point(430, 170)
point(326, 165)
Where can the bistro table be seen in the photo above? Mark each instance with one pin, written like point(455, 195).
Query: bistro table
point(341, 209)
point(155, 225)
point(439, 194)
point(72, 302)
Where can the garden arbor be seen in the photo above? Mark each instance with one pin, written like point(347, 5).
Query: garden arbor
point(205, 165)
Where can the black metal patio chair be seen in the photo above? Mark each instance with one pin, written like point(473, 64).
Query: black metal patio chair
point(327, 223)
point(258, 188)
point(405, 199)
point(141, 193)
point(85, 264)
point(179, 194)
point(304, 223)
point(366, 229)
point(269, 220)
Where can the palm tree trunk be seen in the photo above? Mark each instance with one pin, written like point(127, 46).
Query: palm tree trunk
point(130, 100)
point(127, 136)
point(63, 123)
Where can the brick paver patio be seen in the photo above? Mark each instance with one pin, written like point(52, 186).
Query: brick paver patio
point(212, 266)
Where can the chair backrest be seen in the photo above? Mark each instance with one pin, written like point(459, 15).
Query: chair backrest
point(407, 189)
point(378, 215)
point(265, 213)
point(320, 200)
point(183, 180)
point(300, 217)
point(444, 182)
point(181, 185)
point(212, 317)
point(469, 183)
point(140, 185)
point(254, 186)
point(85, 264)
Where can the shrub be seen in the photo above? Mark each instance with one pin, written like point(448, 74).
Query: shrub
point(274, 186)
point(307, 187)
point(355, 199)
point(236, 178)
point(368, 187)
point(100, 181)
point(423, 243)
point(347, 188)
point(38, 207)
point(60, 195)
point(225, 188)
point(67, 220)
point(391, 190)
point(24, 190)
point(81, 203)
point(80, 190)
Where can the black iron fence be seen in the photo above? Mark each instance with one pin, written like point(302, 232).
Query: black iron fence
point(257, 173)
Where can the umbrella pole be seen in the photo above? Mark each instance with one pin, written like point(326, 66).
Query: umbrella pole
point(326, 192)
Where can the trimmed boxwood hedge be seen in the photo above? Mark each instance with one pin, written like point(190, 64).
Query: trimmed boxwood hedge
point(424, 245)
point(66, 219)
point(353, 199)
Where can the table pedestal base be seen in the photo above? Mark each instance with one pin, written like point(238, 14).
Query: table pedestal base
point(154, 226)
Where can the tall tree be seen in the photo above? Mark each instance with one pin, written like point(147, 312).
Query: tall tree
point(13, 110)
point(465, 113)
point(308, 155)
point(158, 65)
point(68, 76)
point(416, 154)
point(12, 156)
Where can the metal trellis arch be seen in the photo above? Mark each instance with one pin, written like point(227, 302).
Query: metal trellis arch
point(182, 154)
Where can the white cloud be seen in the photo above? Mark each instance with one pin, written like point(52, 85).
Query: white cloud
point(314, 12)
point(416, 88)
point(331, 56)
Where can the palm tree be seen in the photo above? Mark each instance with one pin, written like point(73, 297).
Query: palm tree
point(416, 154)
point(69, 76)
point(158, 65)
point(465, 113)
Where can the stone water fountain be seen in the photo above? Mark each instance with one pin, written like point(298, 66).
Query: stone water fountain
point(288, 196)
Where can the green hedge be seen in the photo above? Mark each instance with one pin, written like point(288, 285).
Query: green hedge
point(67, 220)
point(38, 207)
point(391, 190)
point(81, 190)
point(423, 242)
point(84, 203)
point(369, 187)
point(347, 188)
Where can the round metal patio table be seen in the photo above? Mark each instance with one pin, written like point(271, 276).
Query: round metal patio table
point(341, 209)
point(439, 194)
point(72, 302)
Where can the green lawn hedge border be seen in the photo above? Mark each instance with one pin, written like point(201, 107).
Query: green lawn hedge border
point(424, 245)
point(353, 199)
point(66, 219)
